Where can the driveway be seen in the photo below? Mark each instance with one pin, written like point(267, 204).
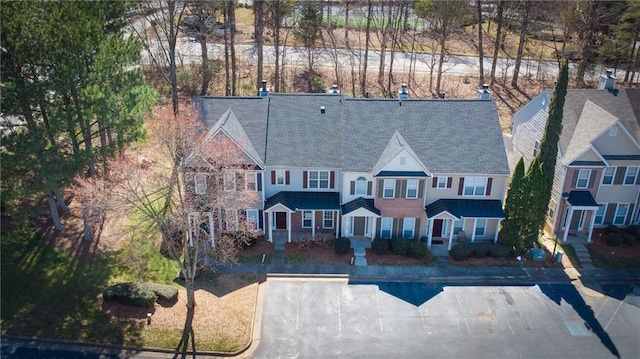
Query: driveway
point(337, 319)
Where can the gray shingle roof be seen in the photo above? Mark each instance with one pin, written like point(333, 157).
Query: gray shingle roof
point(299, 135)
point(449, 136)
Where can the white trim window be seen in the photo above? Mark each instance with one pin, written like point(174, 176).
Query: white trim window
point(457, 226)
point(280, 177)
point(408, 224)
point(536, 148)
point(630, 176)
point(230, 181)
point(231, 219)
point(327, 219)
point(200, 182)
point(318, 179)
point(194, 228)
point(251, 181)
point(602, 209)
point(608, 174)
point(583, 178)
point(481, 226)
point(389, 188)
point(252, 219)
point(475, 186)
point(385, 227)
point(621, 213)
point(412, 189)
point(307, 219)
point(361, 186)
point(442, 182)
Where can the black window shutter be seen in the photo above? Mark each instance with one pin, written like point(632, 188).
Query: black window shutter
point(259, 180)
point(352, 189)
point(370, 185)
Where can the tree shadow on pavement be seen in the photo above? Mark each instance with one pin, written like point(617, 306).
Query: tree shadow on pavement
point(569, 293)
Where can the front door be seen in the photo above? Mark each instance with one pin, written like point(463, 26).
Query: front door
point(358, 226)
point(281, 220)
point(437, 228)
point(575, 220)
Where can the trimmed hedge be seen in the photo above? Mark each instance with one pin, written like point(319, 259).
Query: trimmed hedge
point(615, 239)
point(342, 245)
point(163, 291)
point(628, 239)
point(463, 251)
point(400, 246)
point(498, 250)
point(417, 249)
point(379, 246)
point(612, 229)
point(131, 294)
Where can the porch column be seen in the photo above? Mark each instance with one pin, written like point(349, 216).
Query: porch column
point(495, 237)
point(336, 225)
point(373, 231)
point(313, 223)
point(450, 235)
point(429, 232)
point(473, 235)
point(592, 222)
point(289, 226)
point(211, 230)
point(567, 224)
point(270, 218)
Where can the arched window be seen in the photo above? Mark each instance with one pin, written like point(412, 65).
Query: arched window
point(361, 186)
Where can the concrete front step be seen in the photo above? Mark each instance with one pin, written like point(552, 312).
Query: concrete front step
point(360, 261)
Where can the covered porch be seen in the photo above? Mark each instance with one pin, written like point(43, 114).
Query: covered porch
point(359, 218)
point(302, 214)
point(463, 220)
point(580, 215)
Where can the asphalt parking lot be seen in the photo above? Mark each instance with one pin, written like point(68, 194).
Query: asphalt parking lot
point(337, 319)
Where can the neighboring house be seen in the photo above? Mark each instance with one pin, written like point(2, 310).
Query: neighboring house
point(329, 166)
point(596, 180)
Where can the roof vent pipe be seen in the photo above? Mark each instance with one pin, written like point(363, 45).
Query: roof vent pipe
point(442, 95)
point(263, 91)
point(484, 93)
point(402, 94)
point(323, 110)
point(334, 89)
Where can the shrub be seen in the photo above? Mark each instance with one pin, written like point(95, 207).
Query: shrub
point(628, 239)
point(462, 251)
point(612, 229)
point(417, 249)
point(481, 250)
point(245, 239)
point(164, 292)
point(615, 239)
point(633, 230)
point(400, 246)
point(498, 250)
point(342, 245)
point(379, 246)
point(131, 294)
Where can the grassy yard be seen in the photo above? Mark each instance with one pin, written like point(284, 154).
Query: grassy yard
point(48, 293)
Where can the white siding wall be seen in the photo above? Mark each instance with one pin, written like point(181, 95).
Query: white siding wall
point(347, 177)
point(295, 181)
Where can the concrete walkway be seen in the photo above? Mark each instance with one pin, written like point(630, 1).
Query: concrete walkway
point(360, 251)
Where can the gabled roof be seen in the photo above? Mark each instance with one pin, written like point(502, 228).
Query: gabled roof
point(358, 203)
point(592, 121)
point(296, 201)
point(448, 136)
point(229, 124)
point(622, 104)
point(468, 208)
point(396, 145)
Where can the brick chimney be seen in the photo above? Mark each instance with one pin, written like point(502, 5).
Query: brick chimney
point(263, 91)
point(484, 93)
point(607, 81)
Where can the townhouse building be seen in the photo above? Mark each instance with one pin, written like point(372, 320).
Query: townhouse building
point(596, 181)
point(324, 165)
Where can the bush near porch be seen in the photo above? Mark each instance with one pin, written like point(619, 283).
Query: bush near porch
point(315, 251)
point(615, 247)
point(493, 255)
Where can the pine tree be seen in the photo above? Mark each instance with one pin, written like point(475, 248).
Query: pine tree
point(509, 234)
point(535, 204)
